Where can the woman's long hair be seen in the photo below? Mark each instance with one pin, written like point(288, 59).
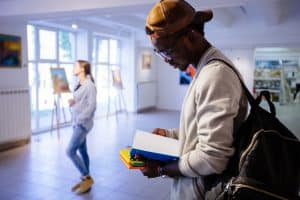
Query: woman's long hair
point(87, 68)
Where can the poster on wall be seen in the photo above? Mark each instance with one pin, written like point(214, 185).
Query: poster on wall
point(59, 80)
point(10, 51)
point(186, 77)
point(146, 61)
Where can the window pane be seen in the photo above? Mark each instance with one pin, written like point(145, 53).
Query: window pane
point(94, 59)
point(33, 86)
point(45, 86)
point(66, 96)
point(113, 52)
point(102, 82)
point(66, 46)
point(47, 44)
point(31, 42)
point(46, 96)
point(103, 51)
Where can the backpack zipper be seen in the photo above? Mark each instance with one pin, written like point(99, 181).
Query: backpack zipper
point(244, 154)
point(237, 186)
point(243, 157)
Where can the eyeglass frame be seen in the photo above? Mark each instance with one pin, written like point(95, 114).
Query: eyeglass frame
point(166, 53)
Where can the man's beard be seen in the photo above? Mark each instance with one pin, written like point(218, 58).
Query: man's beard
point(180, 66)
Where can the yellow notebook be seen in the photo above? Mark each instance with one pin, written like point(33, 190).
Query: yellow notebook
point(128, 162)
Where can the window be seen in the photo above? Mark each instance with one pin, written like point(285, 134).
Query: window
point(102, 51)
point(47, 43)
point(66, 46)
point(114, 52)
point(48, 47)
point(106, 56)
point(31, 42)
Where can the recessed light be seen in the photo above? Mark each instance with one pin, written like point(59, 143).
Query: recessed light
point(74, 26)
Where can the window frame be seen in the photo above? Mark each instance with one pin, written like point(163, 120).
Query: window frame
point(38, 60)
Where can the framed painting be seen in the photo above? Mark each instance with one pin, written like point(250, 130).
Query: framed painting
point(10, 51)
point(59, 80)
point(146, 61)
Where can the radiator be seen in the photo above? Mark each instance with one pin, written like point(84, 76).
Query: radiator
point(14, 115)
point(146, 95)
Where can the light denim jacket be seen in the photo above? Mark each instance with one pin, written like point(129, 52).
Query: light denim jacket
point(85, 105)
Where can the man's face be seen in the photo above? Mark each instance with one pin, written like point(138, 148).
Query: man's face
point(173, 50)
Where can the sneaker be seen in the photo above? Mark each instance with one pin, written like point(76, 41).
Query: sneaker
point(85, 185)
point(75, 187)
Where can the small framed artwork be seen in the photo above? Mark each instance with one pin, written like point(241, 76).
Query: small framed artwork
point(146, 61)
point(116, 78)
point(59, 80)
point(187, 76)
point(10, 51)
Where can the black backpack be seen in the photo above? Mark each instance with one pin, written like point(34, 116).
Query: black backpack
point(266, 163)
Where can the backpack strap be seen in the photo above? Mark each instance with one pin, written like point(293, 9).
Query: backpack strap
point(266, 94)
point(250, 98)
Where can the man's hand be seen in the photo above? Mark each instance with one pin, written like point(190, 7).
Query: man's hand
point(172, 169)
point(160, 131)
point(151, 168)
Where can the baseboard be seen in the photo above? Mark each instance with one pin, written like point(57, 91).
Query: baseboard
point(141, 110)
point(11, 145)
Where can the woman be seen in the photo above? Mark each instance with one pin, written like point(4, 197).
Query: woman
point(83, 107)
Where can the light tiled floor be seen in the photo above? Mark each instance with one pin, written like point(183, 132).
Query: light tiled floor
point(42, 171)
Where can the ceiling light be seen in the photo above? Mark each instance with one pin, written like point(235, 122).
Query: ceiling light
point(74, 26)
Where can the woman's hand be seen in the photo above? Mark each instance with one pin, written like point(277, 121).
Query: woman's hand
point(160, 131)
point(71, 102)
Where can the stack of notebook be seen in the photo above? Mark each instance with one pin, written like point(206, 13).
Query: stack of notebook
point(150, 146)
point(129, 162)
point(155, 147)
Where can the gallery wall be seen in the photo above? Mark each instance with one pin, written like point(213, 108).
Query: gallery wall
point(15, 99)
point(238, 43)
point(15, 77)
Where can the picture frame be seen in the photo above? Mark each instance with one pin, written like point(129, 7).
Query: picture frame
point(10, 51)
point(59, 80)
point(146, 61)
point(117, 79)
point(187, 76)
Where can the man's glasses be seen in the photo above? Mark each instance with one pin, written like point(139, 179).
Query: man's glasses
point(166, 54)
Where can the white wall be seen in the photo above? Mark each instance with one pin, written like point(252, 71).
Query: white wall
point(15, 79)
point(243, 59)
point(171, 93)
point(128, 72)
point(146, 79)
point(18, 77)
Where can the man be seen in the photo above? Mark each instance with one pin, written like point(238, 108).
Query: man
point(214, 105)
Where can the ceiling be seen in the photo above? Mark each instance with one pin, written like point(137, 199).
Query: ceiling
point(250, 17)
point(264, 12)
